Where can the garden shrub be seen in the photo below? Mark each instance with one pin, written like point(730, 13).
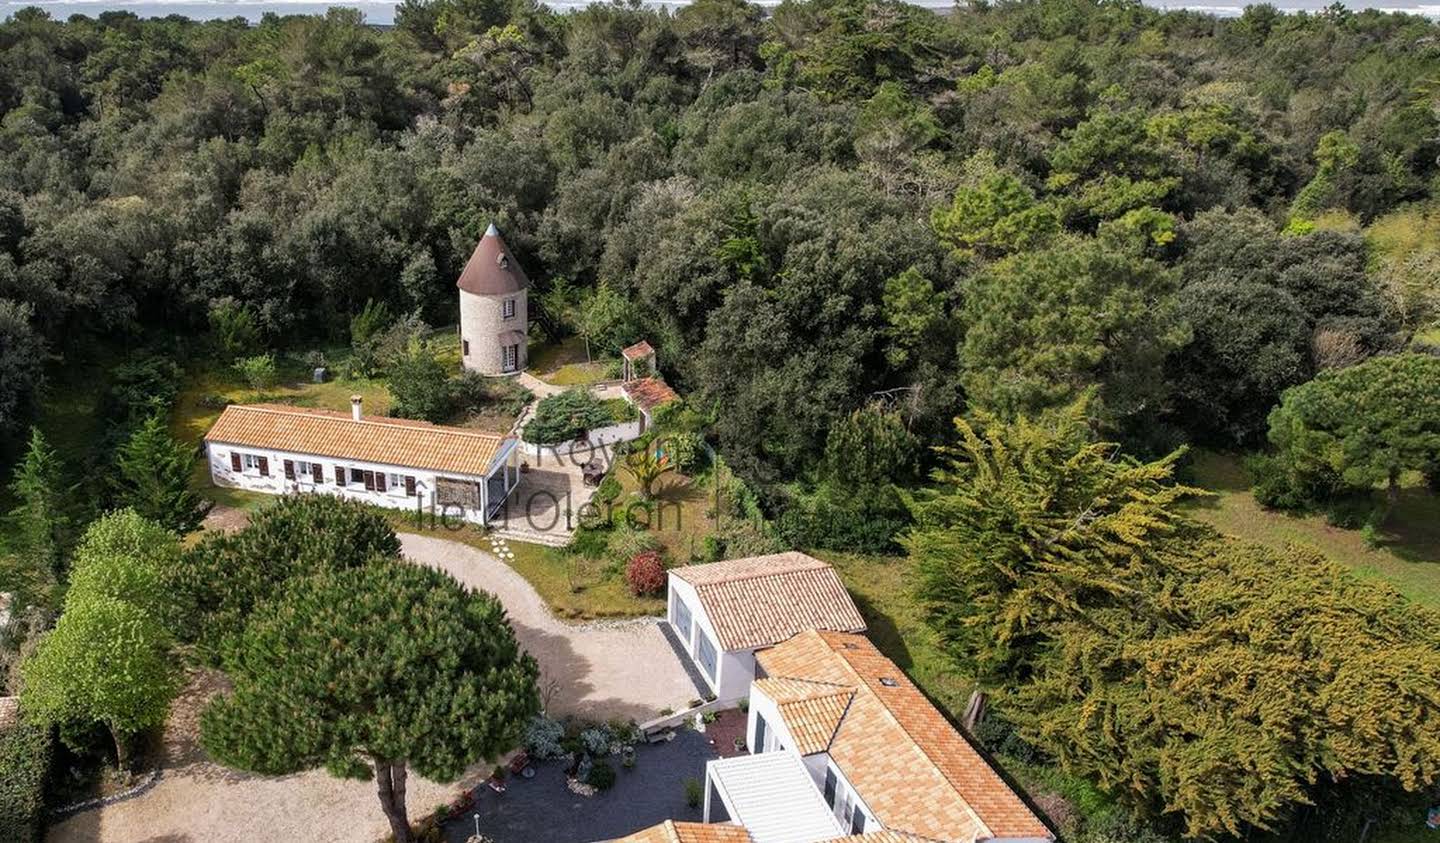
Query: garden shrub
point(597, 740)
point(25, 753)
point(686, 450)
point(694, 792)
point(602, 776)
point(473, 392)
point(420, 385)
point(565, 417)
point(609, 490)
point(544, 738)
point(645, 574)
point(626, 543)
point(258, 371)
point(590, 540)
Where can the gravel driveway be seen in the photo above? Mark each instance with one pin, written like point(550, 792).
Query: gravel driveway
point(605, 670)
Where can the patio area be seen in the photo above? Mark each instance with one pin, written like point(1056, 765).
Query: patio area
point(543, 810)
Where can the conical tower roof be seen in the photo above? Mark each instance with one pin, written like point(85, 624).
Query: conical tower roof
point(492, 270)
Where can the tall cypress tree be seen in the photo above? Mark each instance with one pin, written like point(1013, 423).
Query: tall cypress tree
point(155, 473)
point(41, 520)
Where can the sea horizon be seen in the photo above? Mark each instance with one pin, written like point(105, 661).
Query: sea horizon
point(382, 13)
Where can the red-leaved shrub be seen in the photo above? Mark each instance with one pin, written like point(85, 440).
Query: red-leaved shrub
point(645, 573)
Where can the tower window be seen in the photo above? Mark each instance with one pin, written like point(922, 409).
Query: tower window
point(507, 309)
point(465, 348)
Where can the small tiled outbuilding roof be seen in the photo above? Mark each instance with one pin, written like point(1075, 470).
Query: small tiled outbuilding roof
point(915, 771)
point(492, 270)
point(673, 832)
point(638, 351)
point(376, 439)
point(763, 600)
point(649, 393)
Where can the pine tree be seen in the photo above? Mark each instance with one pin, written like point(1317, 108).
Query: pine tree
point(155, 475)
point(372, 671)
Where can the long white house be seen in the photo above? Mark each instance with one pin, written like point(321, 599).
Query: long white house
point(395, 463)
point(723, 612)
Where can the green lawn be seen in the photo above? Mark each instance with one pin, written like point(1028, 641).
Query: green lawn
point(565, 363)
point(1408, 555)
point(573, 587)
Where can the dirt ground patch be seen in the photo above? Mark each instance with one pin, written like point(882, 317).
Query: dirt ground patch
point(199, 801)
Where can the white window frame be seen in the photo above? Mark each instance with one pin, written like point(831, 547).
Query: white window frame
point(395, 484)
point(509, 357)
point(249, 463)
point(507, 309)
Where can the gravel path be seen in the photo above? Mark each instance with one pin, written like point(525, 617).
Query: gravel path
point(605, 670)
point(609, 669)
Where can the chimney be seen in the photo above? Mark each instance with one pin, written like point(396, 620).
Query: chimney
point(355, 407)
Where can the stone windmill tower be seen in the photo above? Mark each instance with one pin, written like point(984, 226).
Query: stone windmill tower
point(494, 314)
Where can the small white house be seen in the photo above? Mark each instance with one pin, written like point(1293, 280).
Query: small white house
point(394, 463)
point(723, 612)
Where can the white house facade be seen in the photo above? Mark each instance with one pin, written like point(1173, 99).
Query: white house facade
point(723, 612)
point(494, 308)
point(393, 463)
point(845, 749)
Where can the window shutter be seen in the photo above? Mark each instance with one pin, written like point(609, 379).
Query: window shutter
point(289, 470)
point(379, 481)
point(317, 472)
point(409, 486)
point(235, 462)
point(264, 466)
point(339, 475)
point(369, 481)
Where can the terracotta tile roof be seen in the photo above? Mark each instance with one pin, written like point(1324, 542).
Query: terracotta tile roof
point(673, 832)
point(324, 433)
point(649, 393)
point(812, 710)
point(914, 770)
point(638, 350)
point(492, 270)
point(764, 600)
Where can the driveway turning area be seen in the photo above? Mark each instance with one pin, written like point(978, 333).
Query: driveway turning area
point(603, 670)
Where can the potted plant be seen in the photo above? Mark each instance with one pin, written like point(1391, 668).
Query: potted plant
point(627, 757)
point(739, 744)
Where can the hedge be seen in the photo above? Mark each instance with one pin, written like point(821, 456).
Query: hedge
point(25, 752)
point(566, 416)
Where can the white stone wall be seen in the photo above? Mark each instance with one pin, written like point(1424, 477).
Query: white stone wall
point(482, 323)
point(596, 445)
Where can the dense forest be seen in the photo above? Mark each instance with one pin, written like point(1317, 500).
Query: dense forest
point(846, 224)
